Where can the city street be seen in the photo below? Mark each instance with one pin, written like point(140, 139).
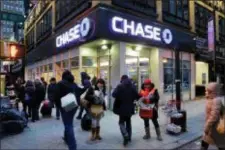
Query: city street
point(196, 145)
point(47, 133)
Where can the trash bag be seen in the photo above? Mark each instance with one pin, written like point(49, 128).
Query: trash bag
point(14, 115)
point(13, 126)
point(86, 122)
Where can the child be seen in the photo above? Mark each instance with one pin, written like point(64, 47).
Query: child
point(96, 106)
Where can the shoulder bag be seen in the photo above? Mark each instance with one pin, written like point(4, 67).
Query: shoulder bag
point(69, 102)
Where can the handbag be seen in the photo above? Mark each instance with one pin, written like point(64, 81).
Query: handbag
point(83, 101)
point(97, 109)
point(69, 102)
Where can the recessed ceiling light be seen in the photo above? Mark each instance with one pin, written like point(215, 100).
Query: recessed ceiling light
point(138, 48)
point(104, 47)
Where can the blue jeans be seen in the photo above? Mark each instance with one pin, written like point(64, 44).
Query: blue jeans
point(67, 118)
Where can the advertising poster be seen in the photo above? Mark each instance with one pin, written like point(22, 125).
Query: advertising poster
point(211, 35)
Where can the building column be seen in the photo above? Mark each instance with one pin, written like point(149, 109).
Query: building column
point(192, 16)
point(118, 68)
point(159, 10)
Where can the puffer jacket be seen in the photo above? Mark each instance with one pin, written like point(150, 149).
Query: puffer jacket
point(213, 107)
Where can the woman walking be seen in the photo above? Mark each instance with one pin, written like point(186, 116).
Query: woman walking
point(64, 87)
point(149, 108)
point(96, 106)
point(125, 94)
point(213, 109)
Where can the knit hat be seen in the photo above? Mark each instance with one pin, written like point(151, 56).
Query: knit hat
point(147, 81)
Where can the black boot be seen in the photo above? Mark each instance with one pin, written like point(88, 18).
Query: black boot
point(147, 133)
point(125, 140)
point(158, 133)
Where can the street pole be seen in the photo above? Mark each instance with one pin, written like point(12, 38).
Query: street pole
point(177, 79)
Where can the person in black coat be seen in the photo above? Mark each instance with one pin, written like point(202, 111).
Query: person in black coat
point(52, 89)
point(29, 100)
point(40, 96)
point(64, 87)
point(20, 90)
point(125, 94)
point(85, 81)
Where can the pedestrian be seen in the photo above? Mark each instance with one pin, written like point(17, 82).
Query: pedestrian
point(52, 89)
point(125, 94)
point(64, 87)
point(44, 82)
point(40, 96)
point(29, 100)
point(148, 103)
point(11, 92)
point(85, 81)
point(20, 90)
point(96, 105)
point(212, 114)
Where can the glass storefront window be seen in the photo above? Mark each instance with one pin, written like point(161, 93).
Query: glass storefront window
point(46, 68)
point(144, 68)
point(132, 68)
point(75, 62)
point(50, 67)
point(65, 64)
point(88, 61)
point(169, 75)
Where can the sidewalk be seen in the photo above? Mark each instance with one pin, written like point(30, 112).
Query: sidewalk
point(47, 133)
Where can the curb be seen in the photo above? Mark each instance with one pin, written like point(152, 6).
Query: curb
point(185, 144)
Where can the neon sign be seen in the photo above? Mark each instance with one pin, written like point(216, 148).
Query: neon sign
point(77, 32)
point(124, 26)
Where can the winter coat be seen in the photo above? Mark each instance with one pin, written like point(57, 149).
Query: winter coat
point(125, 94)
point(213, 107)
point(52, 92)
point(153, 98)
point(20, 90)
point(85, 79)
point(30, 91)
point(64, 87)
point(95, 100)
point(212, 113)
point(39, 93)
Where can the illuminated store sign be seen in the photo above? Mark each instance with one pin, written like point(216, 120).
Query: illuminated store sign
point(124, 26)
point(78, 32)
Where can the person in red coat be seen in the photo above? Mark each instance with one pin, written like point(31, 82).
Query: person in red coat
point(148, 103)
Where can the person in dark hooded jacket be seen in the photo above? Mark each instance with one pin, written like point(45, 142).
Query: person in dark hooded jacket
point(85, 81)
point(29, 100)
point(51, 95)
point(125, 94)
point(64, 87)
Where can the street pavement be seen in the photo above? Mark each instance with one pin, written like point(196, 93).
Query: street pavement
point(47, 133)
point(196, 145)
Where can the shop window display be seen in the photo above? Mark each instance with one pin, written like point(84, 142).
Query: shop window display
point(169, 75)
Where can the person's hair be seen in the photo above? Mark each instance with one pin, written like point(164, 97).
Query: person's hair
point(42, 79)
point(53, 79)
point(101, 81)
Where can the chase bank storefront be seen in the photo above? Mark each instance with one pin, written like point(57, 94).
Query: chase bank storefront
point(107, 43)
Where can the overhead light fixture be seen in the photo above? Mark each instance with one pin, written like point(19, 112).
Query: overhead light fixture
point(104, 47)
point(164, 60)
point(138, 48)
